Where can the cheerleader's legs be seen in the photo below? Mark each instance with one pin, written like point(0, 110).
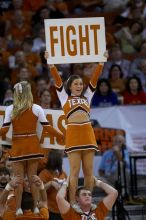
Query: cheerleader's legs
point(18, 169)
point(75, 163)
point(87, 166)
point(32, 166)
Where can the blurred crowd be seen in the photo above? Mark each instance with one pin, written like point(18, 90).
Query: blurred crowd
point(22, 46)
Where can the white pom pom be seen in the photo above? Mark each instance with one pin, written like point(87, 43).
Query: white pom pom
point(18, 87)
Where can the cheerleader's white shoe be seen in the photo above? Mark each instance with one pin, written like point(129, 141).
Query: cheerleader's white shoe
point(19, 212)
point(36, 210)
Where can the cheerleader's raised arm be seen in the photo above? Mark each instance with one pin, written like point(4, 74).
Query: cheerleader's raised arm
point(97, 72)
point(54, 73)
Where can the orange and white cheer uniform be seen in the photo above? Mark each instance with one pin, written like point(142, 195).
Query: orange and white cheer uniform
point(79, 136)
point(25, 142)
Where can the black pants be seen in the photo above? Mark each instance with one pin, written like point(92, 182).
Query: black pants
point(54, 216)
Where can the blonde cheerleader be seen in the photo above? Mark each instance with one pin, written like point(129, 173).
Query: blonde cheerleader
point(26, 150)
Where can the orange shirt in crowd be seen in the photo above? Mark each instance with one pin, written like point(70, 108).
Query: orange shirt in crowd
point(9, 15)
point(32, 5)
point(62, 6)
point(47, 176)
point(32, 59)
point(19, 33)
point(5, 55)
point(118, 85)
point(110, 41)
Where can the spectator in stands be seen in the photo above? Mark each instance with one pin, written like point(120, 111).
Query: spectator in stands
point(33, 5)
point(50, 175)
point(20, 61)
point(45, 99)
point(61, 5)
point(135, 65)
point(108, 168)
point(125, 18)
point(142, 75)
point(113, 5)
point(32, 58)
point(39, 41)
point(65, 69)
point(104, 96)
point(95, 123)
point(110, 40)
point(116, 57)
point(3, 87)
point(4, 71)
point(134, 93)
point(38, 19)
point(16, 5)
point(4, 78)
point(18, 29)
point(8, 97)
point(3, 156)
point(5, 5)
point(24, 75)
point(2, 28)
point(78, 69)
point(57, 10)
point(116, 79)
point(130, 37)
point(4, 177)
point(41, 84)
point(4, 53)
point(89, 5)
point(135, 10)
point(84, 209)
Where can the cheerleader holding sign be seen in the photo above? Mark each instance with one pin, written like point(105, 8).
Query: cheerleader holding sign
point(26, 150)
point(80, 143)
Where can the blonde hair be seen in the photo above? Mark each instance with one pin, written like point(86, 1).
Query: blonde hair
point(23, 98)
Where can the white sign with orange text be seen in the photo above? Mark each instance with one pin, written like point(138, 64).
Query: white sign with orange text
point(75, 40)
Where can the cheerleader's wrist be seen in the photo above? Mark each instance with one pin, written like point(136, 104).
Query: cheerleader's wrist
point(8, 187)
point(42, 187)
point(51, 65)
point(65, 183)
point(98, 183)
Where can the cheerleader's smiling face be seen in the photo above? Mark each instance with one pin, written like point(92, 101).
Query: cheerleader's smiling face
point(76, 87)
